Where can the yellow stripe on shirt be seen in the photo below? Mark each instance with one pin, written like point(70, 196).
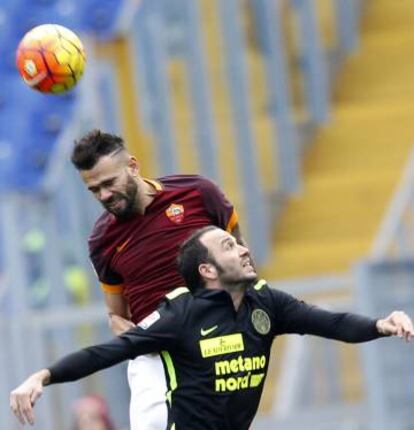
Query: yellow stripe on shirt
point(232, 221)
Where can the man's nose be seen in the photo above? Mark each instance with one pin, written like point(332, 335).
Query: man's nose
point(104, 194)
point(243, 250)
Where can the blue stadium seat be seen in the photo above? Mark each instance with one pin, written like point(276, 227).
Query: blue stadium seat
point(13, 127)
point(15, 93)
point(30, 122)
point(100, 17)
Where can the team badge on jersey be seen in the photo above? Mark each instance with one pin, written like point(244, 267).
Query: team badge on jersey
point(175, 213)
point(261, 321)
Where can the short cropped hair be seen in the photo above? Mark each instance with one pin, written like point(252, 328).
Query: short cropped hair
point(192, 253)
point(92, 146)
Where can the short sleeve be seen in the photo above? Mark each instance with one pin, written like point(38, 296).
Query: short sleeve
point(217, 205)
point(112, 289)
point(99, 257)
point(104, 273)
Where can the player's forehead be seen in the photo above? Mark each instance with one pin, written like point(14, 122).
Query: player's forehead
point(107, 167)
point(215, 238)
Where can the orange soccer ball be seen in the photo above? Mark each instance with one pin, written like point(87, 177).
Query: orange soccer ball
point(51, 58)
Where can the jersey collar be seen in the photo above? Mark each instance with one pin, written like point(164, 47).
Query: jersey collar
point(157, 185)
point(205, 293)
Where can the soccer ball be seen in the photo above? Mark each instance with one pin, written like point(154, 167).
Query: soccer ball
point(50, 58)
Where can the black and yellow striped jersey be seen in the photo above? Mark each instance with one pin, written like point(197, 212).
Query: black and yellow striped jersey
point(215, 358)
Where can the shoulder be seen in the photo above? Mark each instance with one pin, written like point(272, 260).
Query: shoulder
point(178, 293)
point(261, 292)
point(101, 226)
point(180, 298)
point(184, 181)
point(177, 303)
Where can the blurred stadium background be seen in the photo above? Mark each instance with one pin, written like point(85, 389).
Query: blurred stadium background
point(301, 109)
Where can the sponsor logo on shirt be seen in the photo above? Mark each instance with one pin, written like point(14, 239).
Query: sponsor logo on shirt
point(175, 213)
point(206, 331)
point(239, 373)
point(221, 345)
point(148, 321)
point(230, 377)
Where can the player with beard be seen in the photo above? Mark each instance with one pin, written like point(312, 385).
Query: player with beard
point(134, 244)
point(216, 341)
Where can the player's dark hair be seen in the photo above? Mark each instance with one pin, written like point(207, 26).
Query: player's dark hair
point(92, 146)
point(193, 253)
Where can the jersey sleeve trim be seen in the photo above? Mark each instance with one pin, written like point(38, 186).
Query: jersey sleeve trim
point(177, 292)
point(171, 375)
point(232, 221)
point(112, 289)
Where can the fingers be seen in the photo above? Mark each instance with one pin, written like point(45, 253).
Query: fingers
point(407, 327)
point(15, 408)
point(22, 407)
point(22, 401)
point(400, 324)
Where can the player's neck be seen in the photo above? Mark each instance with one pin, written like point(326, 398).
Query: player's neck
point(237, 297)
point(145, 195)
point(235, 290)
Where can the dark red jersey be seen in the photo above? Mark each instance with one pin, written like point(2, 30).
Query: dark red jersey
point(137, 257)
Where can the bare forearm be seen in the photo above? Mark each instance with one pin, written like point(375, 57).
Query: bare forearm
point(118, 313)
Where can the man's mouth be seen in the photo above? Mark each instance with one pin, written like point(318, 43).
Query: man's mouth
point(114, 204)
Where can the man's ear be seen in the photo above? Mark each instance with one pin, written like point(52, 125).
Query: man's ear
point(133, 165)
point(208, 271)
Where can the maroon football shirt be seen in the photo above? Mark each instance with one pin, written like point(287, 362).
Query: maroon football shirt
point(137, 257)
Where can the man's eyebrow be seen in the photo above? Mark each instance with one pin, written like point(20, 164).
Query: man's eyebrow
point(226, 239)
point(111, 179)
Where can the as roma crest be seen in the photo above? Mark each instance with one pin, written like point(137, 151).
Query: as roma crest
point(175, 213)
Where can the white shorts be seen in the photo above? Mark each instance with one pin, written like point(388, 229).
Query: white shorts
point(148, 407)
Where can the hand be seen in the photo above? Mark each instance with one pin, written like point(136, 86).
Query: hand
point(398, 323)
point(24, 397)
point(119, 325)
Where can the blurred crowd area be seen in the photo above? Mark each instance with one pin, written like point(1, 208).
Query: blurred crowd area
point(300, 109)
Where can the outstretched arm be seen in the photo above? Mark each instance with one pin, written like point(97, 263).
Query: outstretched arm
point(353, 328)
point(156, 332)
point(294, 316)
point(70, 368)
